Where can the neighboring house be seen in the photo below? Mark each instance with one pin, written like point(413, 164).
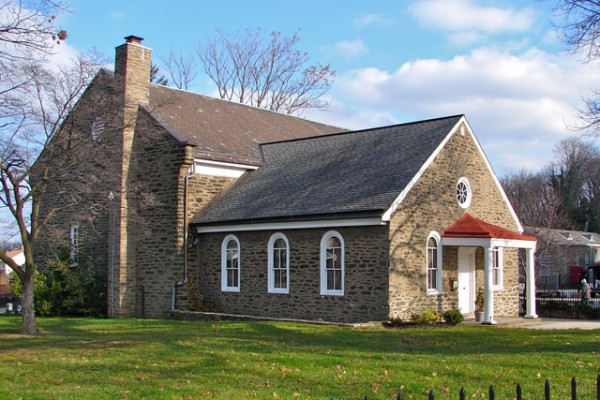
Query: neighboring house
point(6, 294)
point(557, 250)
point(257, 213)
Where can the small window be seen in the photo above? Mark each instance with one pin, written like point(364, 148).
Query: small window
point(497, 268)
point(463, 192)
point(97, 129)
point(74, 244)
point(279, 264)
point(332, 264)
point(434, 265)
point(230, 264)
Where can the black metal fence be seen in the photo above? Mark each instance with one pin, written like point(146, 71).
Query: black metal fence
point(462, 395)
point(552, 305)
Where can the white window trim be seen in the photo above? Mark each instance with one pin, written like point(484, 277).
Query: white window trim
point(469, 193)
point(438, 280)
point(224, 286)
point(271, 264)
point(97, 129)
point(497, 251)
point(324, 290)
point(75, 244)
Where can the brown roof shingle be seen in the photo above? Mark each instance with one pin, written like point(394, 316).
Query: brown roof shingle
point(223, 130)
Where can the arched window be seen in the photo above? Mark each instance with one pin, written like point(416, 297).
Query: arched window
point(279, 264)
point(332, 264)
point(434, 264)
point(230, 264)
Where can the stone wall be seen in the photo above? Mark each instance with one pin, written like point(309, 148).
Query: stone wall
point(162, 167)
point(201, 190)
point(81, 173)
point(431, 206)
point(159, 160)
point(366, 283)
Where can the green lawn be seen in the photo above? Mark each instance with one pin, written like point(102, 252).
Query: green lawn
point(154, 359)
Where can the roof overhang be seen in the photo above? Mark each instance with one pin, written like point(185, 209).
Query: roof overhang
point(285, 225)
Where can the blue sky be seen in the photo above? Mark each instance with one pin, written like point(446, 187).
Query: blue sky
point(498, 62)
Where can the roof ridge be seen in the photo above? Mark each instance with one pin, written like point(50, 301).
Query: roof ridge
point(374, 129)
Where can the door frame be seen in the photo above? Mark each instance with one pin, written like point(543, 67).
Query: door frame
point(466, 279)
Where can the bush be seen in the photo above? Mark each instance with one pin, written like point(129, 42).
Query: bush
point(453, 317)
point(41, 292)
point(427, 317)
point(66, 289)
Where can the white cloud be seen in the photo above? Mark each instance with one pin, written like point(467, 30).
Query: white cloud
point(351, 48)
point(372, 20)
point(518, 105)
point(117, 15)
point(464, 15)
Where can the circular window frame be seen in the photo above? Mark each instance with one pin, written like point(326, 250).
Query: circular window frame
point(463, 193)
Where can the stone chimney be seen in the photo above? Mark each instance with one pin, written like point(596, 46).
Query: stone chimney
point(132, 73)
point(132, 67)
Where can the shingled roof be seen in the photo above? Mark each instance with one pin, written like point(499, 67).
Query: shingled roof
point(223, 130)
point(340, 175)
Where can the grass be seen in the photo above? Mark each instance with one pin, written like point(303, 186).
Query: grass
point(155, 359)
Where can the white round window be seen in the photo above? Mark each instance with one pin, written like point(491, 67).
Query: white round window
point(463, 192)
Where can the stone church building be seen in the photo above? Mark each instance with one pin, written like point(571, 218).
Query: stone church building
point(252, 212)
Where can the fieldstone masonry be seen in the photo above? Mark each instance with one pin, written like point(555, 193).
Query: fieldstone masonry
point(366, 284)
point(431, 206)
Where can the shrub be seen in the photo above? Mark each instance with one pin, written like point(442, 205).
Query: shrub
point(66, 289)
point(41, 291)
point(426, 318)
point(453, 317)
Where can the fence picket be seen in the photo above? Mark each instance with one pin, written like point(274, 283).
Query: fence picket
point(519, 391)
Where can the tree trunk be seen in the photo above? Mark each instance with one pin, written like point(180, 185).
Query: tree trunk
point(27, 306)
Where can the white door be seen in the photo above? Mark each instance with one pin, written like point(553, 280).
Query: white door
point(466, 279)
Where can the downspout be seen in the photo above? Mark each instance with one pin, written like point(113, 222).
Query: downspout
point(185, 279)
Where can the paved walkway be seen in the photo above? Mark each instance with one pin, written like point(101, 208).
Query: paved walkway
point(542, 323)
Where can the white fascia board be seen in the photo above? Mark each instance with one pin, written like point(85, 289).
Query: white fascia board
point(387, 216)
point(334, 223)
point(496, 180)
point(489, 242)
point(522, 244)
point(216, 168)
point(467, 242)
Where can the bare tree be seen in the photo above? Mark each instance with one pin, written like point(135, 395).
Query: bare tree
point(565, 194)
point(580, 30)
point(27, 29)
point(35, 99)
point(181, 69)
point(581, 27)
point(265, 70)
point(534, 200)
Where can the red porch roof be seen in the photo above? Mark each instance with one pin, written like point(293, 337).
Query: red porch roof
point(469, 227)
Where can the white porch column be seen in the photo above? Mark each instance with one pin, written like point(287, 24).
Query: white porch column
point(488, 309)
point(530, 285)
